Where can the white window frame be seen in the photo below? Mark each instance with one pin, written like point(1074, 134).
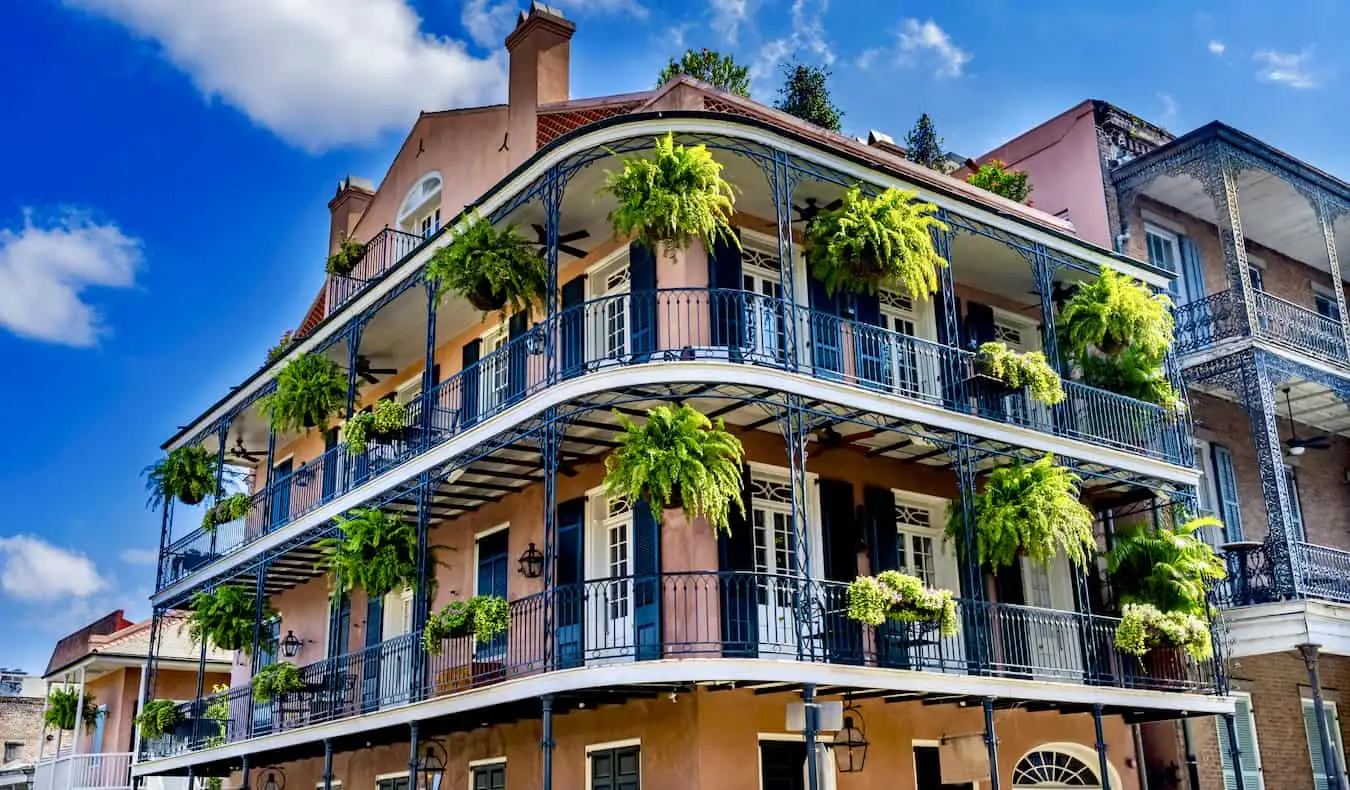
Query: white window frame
point(413, 209)
point(783, 737)
point(937, 508)
point(477, 536)
point(1172, 237)
point(811, 507)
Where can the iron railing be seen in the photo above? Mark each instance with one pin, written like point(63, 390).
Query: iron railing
point(688, 615)
point(1204, 322)
point(383, 252)
point(690, 325)
point(1317, 573)
point(105, 771)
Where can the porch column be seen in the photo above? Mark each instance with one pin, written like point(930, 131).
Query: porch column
point(147, 673)
point(550, 449)
point(1259, 395)
point(949, 329)
point(975, 617)
point(1043, 271)
point(353, 347)
point(421, 605)
point(243, 765)
point(429, 364)
point(79, 714)
point(140, 695)
point(327, 764)
point(222, 438)
point(810, 714)
point(784, 184)
point(1103, 765)
point(796, 433)
point(1234, 753)
point(1220, 179)
point(991, 743)
point(164, 523)
point(1327, 220)
point(260, 592)
point(267, 478)
point(1329, 761)
point(1192, 762)
point(555, 184)
point(546, 741)
point(412, 756)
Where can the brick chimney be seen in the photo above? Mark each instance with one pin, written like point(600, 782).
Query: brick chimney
point(346, 209)
point(540, 53)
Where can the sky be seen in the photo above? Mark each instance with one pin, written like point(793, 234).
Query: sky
point(163, 204)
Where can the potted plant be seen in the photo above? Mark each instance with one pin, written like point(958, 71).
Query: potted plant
point(187, 474)
point(275, 352)
point(1003, 371)
point(226, 616)
point(217, 715)
point(1146, 630)
point(62, 704)
point(1114, 312)
point(874, 242)
point(273, 680)
point(349, 252)
point(482, 616)
point(675, 196)
point(1166, 568)
point(492, 268)
point(1027, 509)
point(994, 176)
point(158, 717)
point(227, 509)
point(373, 550)
point(677, 458)
point(892, 595)
point(1134, 374)
point(310, 390)
point(386, 420)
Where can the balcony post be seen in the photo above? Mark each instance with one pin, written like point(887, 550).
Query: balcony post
point(554, 188)
point(268, 474)
point(243, 772)
point(991, 743)
point(546, 742)
point(809, 732)
point(412, 756)
point(327, 764)
point(1259, 396)
point(796, 434)
point(1329, 762)
point(1327, 220)
point(421, 604)
point(429, 366)
point(1103, 765)
point(163, 543)
point(222, 438)
point(201, 687)
point(550, 447)
point(79, 715)
point(1234, 752)
point(784, 184)
point(1043, 271)
point(143, 685)
point(949, 328)
point(975, 617)
point(1220, 181)
point(353, 349)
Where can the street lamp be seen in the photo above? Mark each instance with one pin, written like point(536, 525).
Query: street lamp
point(430, 767)
point(850, 743)
point(291, 644)
point(531, 562)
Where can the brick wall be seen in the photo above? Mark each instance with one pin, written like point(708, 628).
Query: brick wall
point(21, 722)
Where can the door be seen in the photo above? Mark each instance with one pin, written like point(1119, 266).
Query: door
point(494, 378)
point(827, 347)
point(842, 637)
point(396, 649)
point(761, 280)
point(616, 769)
point(332, 463)
point(642, 312)
point(572, 321)
point(263, 712)
point(1053, 638)
point(1021, 336)
point(370, 655)
point(781, 610)
point(608, 330)
point(913, 368)
point(493, 560)
point(922, 551)
point(281, 493)
point(609, 582)
point(781, 765)
point(569, 598)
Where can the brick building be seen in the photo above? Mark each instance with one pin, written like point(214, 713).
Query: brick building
point(20, 727)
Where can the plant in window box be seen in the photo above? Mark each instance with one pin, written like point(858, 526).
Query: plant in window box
point(1114, 312)
point(1027, 509)
point(158, 717)
point(674, 197)
point(492, 268)
point(276, 679)
point(1006, 371)
point(892, 595)
point(868, 243)
point(342, 262)
point(227, 509)
point(482, 617)
point(678, 458)
point(310, 390)
point(1145, 629)
point(225, 617)
point(386, 420)
point(187, 474)
point(62, 704)
point(373, 550)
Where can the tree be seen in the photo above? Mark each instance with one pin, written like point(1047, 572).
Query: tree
point(996, 177)
point(805, 95)
point(707, 65)
point(923, 145)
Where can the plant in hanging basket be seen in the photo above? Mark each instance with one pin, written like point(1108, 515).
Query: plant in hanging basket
point(276, 679)
point(373, 550)
point(1030, 509)
point(677, 458)
point(1133, 374)
point(675, 196)
point(482, 617)
point(62, 704)
point(1112, 313)
point(492, 268)
point(342, 262)
point(1016, 370)
point(892, 595)
point(227, 509)
point(157, 717)
point(311, 389)
point(876, 242)
point(225, 617)
point(1169, 569)
point(187, 474)
point(1144, 628)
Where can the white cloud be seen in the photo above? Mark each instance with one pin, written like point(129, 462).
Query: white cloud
point(1169, 108)
point(35, 570)
point(918, 37)
point(806, 40)
point(139, 556)
point(1217, 47)
point(1286, 68)
point(45, 269)
point(599, 7)
point(488, 25)
point(318, 73)
point(728, 16)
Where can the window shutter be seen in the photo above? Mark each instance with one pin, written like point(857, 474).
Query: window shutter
point(1321, 774)
point(1230, 509)
point(1192, 271)
point(1295, 506)
point(1246, 738)
point(468, 398)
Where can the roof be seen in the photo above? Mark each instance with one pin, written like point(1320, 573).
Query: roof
point(115, 636)
point(74, 646)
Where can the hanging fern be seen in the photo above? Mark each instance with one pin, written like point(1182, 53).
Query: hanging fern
point(187, 474)
point(678, 457)
point(157, 717)
point(1114, 312)
point(62, 704)
point(311, 389)
point(1169, 569)
point(1027, 508)
point(1133, 374)
point(1021, 369)
point(1144, 628)
point(876, 242)
point(226, 616)
point(893, 595)
point(375, 551)
point(383, 421)
point(677, 195)
point(493, 268)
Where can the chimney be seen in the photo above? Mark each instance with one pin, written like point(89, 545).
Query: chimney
point(540, 52)
point(346, 209)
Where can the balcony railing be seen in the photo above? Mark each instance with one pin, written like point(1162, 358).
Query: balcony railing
point(688, 615)
point(383, 253)
point(689, 325)
point(1318, 573)
point(110, 771)
point(1207, 321)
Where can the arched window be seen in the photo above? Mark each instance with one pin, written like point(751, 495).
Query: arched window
point(420, 212)
point(1056, 765)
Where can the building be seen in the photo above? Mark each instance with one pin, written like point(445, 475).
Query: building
point(104, 663)
point(1255, 237)
point(646, 653)
point(20, 724)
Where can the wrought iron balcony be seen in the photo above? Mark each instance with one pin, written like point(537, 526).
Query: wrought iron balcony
point(1205, 322)
point(688, 325)
point(383, 252)
point(1316, 573)
point(707, 615)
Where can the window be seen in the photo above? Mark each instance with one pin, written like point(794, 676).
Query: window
point(1321, 780)
point(781, 765)
point(1295, 506)
point(917, 540)
point(399, 782)
point(1162, 248)
point(1325, 302)
point(1230, 509)
point(420, 211)
point(1245, 723)
point(488, 777)
point(1177, 254)
point(1054, 768)
point(928, 771)
point(616, 769)
point(13, 751)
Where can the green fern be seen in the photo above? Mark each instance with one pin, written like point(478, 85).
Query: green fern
point(226, 617)
point(375, 551)
point(678, 453)
point(677, 195)
point(495, 269)
point(1021, 369)
point(157, 717)
point(311, 389)
point(1114, 312)
point(882, 242)
point(234, 506)
point(1030, 509)
point(62, 703)
point(1133, 374)
point(893, 595)
point(1170, 569)
point(187, 474)
point(275, 679)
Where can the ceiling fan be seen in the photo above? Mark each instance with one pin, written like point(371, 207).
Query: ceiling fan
point(810, 210)
point(829, 438)
point(243, 453)
point(1060, 293)
point(564, 240)
point(365, 371)
point(1294, 445)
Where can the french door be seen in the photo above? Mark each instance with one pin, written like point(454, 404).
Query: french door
point(1053, 640)
point(609, 586)
point(495, 372)
point(779, 562)
point(608, 335)
point(761, 279)
point(911, 368)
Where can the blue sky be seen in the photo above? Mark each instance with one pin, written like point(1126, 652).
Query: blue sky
point(162, 209)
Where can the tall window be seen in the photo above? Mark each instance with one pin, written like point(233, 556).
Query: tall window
point(1325, 302)
point(1321, 772)
point(420, 212)
point(1245, 724)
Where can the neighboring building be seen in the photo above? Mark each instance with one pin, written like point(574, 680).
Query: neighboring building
point(105, 662)
point(1255, 238)
point(20, 726)
point(652, 653)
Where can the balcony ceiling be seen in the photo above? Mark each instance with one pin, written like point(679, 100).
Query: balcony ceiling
point(1312, 405)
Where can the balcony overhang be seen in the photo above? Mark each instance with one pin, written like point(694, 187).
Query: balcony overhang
point(1280, 627)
